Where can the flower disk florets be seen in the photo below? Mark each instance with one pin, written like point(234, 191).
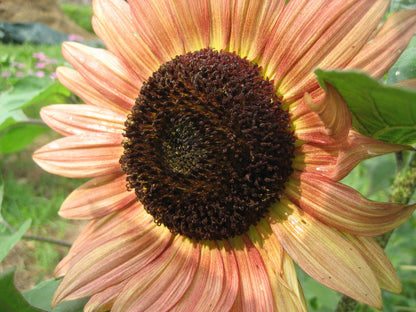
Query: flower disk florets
point(208, 146)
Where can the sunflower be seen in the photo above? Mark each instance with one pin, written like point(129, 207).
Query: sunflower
point(215, 155)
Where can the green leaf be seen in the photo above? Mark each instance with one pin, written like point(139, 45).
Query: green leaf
point(1, 195)
point(56, 93)
point(24, 100)
point(41, 297)
point(21, 93)
point(12, 118)
point(7, 242)
point(10, 298)
point(387, 113)
point(29, 94)
point(19, 135)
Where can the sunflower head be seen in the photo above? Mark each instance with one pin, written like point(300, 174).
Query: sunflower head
point(208, 145)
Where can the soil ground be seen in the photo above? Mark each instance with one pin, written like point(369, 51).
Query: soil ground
point(47, 12)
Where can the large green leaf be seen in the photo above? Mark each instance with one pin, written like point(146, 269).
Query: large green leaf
point(41, 296)
point(1, 195)
point(29, 94)
point(56, 93)
point(387, 113)
point(20, 94)
point(8, 241)
point(21, 102)
point(10, 298)
point(16, 137)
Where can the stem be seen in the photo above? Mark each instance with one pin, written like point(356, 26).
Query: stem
point(37, 237)
point(47, 240)
point(35, 122)
point(403, 187)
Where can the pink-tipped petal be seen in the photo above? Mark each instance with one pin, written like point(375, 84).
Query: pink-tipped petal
point(343, 37)
point(104, 300)
point(252, 24)
point(207, 287)
point(377, 56)
point(255, 293)
point(70, 119)
point(336, 161)
point(83, 156)
point(324, 254)
point(231, 281)
point(334, 113)
point(287, 292)
point(97, 198)
point(105, 72)
point(102, 230)
point(112, 262)
point(156, 25)
point(76, 83)
point(159, 285)
point(294, 18)
point(220, 23)
point(307, 124)
point(408, 83)
point(113, 24)
point(193, 23)
point(378, 261)
point(343, 208)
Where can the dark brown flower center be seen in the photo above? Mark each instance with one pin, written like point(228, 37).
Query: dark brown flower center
point(207, 146)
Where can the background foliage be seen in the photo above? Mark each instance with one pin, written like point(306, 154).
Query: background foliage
point(30, 197)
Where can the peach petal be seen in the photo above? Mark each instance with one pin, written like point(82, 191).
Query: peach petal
point(309, 128)
point(307, 125)
point(220, 23)
point(287, 292)
point(409, 83)
point(103, 301)
point(252, 24)
point(105, 72)
point(231, 280)
point(315, 158)
point(378, 261)
point(208, 284)
point(337, 160)
point(113, 262)
point(294, 19)
point(156, 25)
point(359, 147)
point(324, 254)
point(342, 40)
point(97, 198)
point(70, 119)
point(76, 83)
point(81, 156)
point(333, 111)
point(255, 293)
point(339, 206)
point(102, 230)
point(379, 55)
point(193, 23)
point(159, 285)
point(112, 18)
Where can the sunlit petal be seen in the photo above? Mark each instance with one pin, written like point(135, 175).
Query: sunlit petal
point(157, 286)
point(324, 254)
point(83, 156)
point(81, 119)
point(97, 198)
point(341, 207)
